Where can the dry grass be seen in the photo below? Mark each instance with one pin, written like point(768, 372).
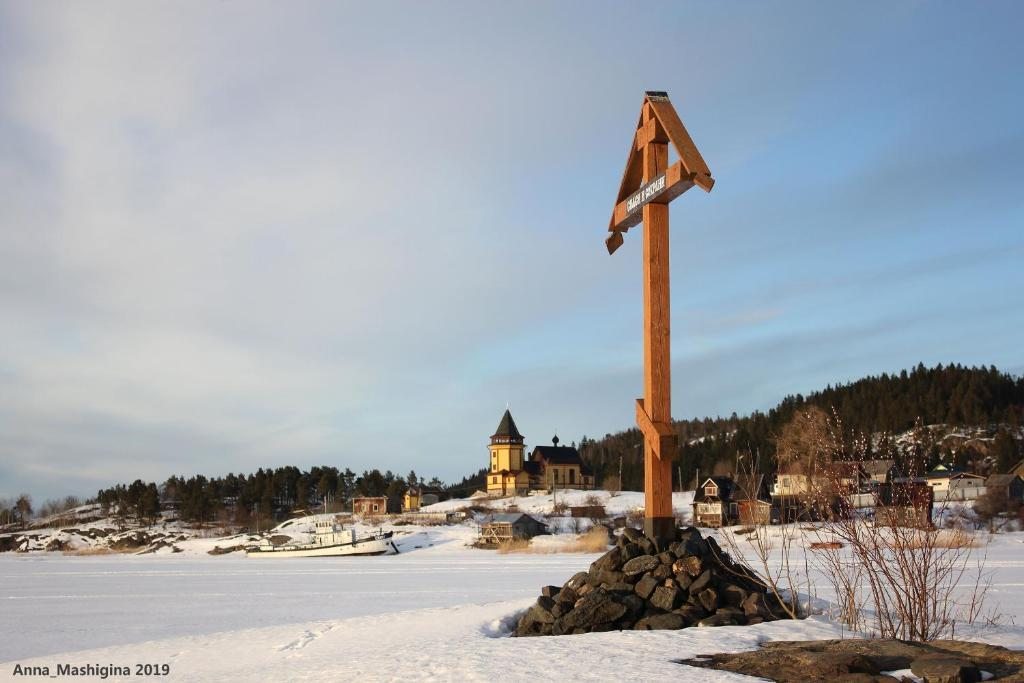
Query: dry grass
point(594, 540)
point(516, 545)
point(945, 539)
point(88, 552)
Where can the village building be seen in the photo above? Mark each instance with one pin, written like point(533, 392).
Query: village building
point(558, 467)
point(1008, 487)
point(411, 501)
point(827, 490)
point(415, 498)
point(953, 485)
point(724, 501)
point(549, 467)
point(1018, 469)
point(508, 526)
point(880, 471)
point(507, 476)
point(370, 505)
point(713, 505)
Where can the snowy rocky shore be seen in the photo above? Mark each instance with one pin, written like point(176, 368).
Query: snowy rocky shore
point(692, 582)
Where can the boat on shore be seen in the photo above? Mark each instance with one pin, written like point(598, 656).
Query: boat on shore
point(330, 540)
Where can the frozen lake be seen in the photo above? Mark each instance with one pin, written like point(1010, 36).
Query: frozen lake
point(431, 613)
point(62, 604)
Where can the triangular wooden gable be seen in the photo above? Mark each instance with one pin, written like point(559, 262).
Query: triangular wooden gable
point(690, 170)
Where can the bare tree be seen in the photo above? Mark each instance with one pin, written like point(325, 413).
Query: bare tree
point(24, 506)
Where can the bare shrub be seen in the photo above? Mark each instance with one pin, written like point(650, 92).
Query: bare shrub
point(560, 509)
point(899, 576)
point(594, 540)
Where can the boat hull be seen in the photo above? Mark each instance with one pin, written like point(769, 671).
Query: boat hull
point(368, 546)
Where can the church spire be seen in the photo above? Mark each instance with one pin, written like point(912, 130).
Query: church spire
point(507, 432)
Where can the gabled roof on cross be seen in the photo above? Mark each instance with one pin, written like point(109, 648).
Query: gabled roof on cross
point(664, 126)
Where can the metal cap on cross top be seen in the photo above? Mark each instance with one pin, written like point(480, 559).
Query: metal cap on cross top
point(648, 185)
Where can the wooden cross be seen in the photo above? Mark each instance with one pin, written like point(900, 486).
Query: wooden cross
point(648, 185)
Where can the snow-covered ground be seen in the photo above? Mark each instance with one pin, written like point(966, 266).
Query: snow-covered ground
point(440, 610)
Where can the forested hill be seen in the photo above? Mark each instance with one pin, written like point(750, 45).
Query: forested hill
point(892, 404)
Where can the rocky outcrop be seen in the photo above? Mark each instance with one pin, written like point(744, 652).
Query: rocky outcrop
point(939, 661)
point(636, 585)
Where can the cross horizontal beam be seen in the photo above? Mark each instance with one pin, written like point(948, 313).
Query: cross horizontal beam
point(627, 213)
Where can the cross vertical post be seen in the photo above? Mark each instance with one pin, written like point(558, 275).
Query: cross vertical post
point(659, 521)
point(648, 185)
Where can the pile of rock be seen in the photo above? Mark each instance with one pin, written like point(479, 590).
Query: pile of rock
point(636, 585)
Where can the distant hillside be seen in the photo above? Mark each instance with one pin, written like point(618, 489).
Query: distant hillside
point(972, 405)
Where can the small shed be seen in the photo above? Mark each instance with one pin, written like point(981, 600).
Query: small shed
point(503, 527)
point(370, 505)
point(588, 511)
point(754, 512)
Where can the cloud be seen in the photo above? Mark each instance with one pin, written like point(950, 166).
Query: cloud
point(238, 235)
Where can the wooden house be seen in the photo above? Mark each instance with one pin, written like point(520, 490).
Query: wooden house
point(953, 485)
point(820, 493)
point(370, 505)
point(411, 501)
point(713, 504)
point(1008, 487)
point(507, 526)
point(880, 471)
point(1018, 469)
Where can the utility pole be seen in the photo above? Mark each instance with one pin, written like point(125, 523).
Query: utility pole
point(554, 491)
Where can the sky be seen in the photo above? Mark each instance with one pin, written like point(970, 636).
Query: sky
point(249, 234)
